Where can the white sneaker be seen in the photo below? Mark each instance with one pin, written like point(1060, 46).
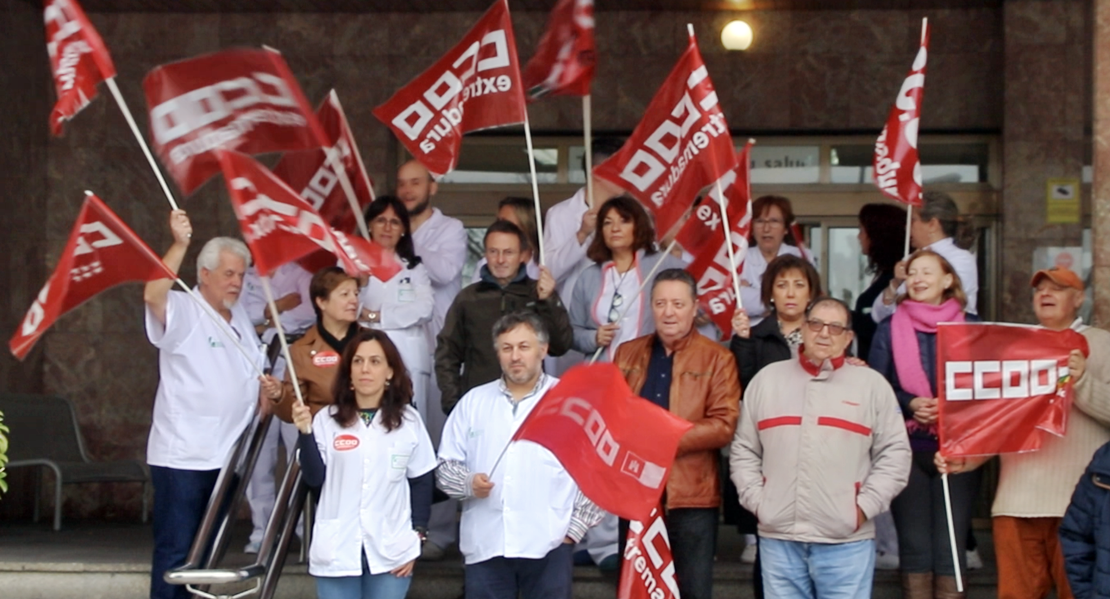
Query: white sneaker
point(886, 561)
point(747, 556)
point(974, 562)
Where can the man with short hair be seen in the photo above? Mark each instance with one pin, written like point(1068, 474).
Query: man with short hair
point(680, 370)
point(821, 449)
point(207, 390)
point(464, 358)
point(523, 512)
point(1034, 488)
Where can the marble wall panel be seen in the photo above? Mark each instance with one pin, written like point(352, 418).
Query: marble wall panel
point(1100, 208)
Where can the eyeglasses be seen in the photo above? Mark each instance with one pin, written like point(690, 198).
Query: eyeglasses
point(614, 308)
point(765, 222)
point(383, 222)
point(816, 326)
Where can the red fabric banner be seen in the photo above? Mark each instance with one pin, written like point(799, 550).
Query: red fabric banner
point(897, 169)
point(1001, 387)
point(703, 235)
point(280, 226)
point(648, 571)
point(564, 63)
point(240, 100)
point(681, 145)
point(618, 447)
point(78, 59)
point(310, 172)
point(474, 86)
point(102, 252)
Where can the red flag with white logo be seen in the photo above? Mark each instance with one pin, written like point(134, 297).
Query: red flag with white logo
point(703, 235)
point(681, 145)
point(280, 226)
point(897, 168)
point(1002, 387)
point(564, 63)
point(616, 446)
point(476, 85)
point(102, 252)
point(78, 59)
point(648, 570)
point(311, 173)
point(239, 100)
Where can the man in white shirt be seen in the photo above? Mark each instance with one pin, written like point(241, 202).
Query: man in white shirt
point(206, 394)
point(440, 241)
point(934, 226)
point(523, 512)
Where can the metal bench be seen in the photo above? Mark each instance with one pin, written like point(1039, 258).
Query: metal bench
point(44, 433)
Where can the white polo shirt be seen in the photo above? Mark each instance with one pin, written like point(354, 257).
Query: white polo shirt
point(207, 390)
point(527, 514)
point(364, 503)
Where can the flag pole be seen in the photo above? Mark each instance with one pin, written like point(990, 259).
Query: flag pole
point(111, 81)
point(227, 330)
point(332, 154)
point(952, 534)
point(535, 183)
point(635, 296)
point(587, 134)
point(281, 336)
point(728, 240)
point(909, 223)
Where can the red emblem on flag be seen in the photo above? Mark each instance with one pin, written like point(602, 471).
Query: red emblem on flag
point(648, 570)
point(78, 59)
point(1001, 387)
point(565, 61)
point(681, 145)
point(474, 86)
point(241, 100)
point(616, 446)
point(102, 252)
point(897, 168)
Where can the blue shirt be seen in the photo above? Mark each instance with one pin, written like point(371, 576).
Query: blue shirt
point(657, 385)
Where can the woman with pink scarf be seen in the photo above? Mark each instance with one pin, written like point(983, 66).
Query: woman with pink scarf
point(904, 350)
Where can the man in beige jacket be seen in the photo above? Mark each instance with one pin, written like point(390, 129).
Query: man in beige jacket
point(820, 450)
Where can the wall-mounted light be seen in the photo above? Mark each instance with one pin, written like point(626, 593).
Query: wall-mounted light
point(737, 35)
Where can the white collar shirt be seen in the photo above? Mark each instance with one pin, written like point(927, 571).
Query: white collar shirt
point(441, 244)
point(365, 505)
point(751, 278)
point(207, 389)
point(528, 511)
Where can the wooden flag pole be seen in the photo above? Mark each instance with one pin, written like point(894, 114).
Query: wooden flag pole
point(111, 81)
point(281, 336)
point(587, 134)
point(224, 326)
point(535, 184)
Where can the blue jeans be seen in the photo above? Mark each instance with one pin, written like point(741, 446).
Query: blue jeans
point(180, 498)
point(794, 570)
point(549, 577)
point(377, 586)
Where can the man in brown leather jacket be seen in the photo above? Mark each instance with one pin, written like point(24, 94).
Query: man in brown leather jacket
point(695, 378)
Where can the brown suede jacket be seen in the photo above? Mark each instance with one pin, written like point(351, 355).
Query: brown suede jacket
point(705, 389)
point(317, 365)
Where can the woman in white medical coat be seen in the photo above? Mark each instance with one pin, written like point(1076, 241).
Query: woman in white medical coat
point(372, 461)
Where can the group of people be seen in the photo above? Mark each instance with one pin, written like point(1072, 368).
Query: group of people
point(813, 422)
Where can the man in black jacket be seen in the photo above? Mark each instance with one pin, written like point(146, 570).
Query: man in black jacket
point(465, 358)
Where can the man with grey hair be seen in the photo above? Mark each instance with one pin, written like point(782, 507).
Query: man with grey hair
point(206, 394)
point(522, 511)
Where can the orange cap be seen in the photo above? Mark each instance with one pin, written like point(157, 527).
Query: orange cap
point(1060, 276)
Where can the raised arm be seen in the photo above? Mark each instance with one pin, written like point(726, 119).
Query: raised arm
point(156, 293)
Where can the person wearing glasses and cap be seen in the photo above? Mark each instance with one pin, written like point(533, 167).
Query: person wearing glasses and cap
point(820, 449)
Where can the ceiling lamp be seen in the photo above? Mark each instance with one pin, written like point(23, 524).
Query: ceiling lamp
point(737, 35)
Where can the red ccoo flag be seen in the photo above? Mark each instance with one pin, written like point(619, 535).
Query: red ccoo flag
point(102, 252)
point(681, 145)
point(564, 63)
point(648, 570)
point(616, 446)
point(280, 226)
point(1001, 387)
point(78, 59)
point(897, 168)
point(474, 86)
point(240, 100)
point(703, 235)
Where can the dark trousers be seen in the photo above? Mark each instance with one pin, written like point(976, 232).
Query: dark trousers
point(919, 516)
point(693, 536)
point(549, 577)
point(180, 498)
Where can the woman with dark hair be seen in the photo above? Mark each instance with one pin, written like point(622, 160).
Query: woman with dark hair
point(522, 213)
point(772, 217)
point(371, 459)
point(882, 238)
point(623, 254)
point(789, 284)
point(403, 304)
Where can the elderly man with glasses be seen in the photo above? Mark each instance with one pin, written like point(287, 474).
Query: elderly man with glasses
point(820, 450)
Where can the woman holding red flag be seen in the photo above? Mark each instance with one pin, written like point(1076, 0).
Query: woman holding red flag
point(904, 350)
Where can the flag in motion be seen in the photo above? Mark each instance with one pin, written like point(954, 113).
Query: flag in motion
point(648, 570)
point(897, 168)
point(102, 252)
point(78, 59)
point(564, 63)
